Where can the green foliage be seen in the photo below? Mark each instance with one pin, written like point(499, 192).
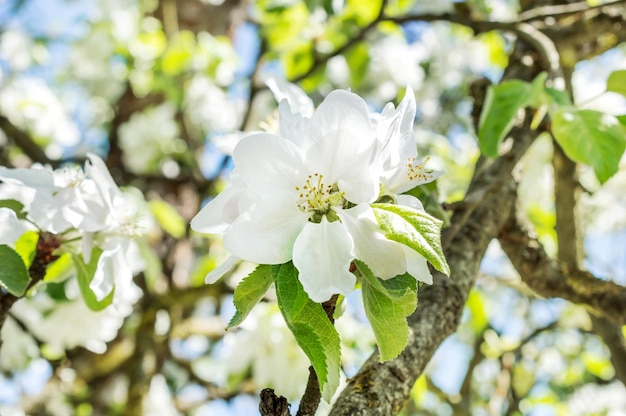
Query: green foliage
point(14, 205)
point(590, 137)
point(59, 269)
point(26, 246)
point(250, 291)
point(586, 136)
point(85, 273)
point(311, 327)
point(476, 305)
point(415, 229)
point(168, 218)
point(14, 276)
point(502, 104)
point(387, 304)
point(617, 82)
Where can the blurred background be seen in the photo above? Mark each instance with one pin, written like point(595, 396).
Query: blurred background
point(162, 90)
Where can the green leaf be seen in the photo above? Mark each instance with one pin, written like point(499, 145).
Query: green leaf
point(502, 104)
point(59, 269)
point(85, 273)
point(590, 137)
point(617, 82)
point(250, 291)
point(311, 327)
point(415, 229)
point(386, 308)
point(402, 288)
point(557, 97)
point(168, 218)
point(14, 205)
point(14, 276)
point(26, 246)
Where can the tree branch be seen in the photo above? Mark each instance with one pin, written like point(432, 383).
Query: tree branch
point(551, 278)
point(26, 143)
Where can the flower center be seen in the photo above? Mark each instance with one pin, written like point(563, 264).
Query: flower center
point(417, 171)
point(318, 198)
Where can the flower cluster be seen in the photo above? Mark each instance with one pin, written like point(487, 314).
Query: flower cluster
point(86, 210)
point(305, 194)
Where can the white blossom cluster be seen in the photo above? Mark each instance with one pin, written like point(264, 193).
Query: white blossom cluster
point(89, 214)
point(304, 194)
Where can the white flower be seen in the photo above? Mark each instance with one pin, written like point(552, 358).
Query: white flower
point(292, 191)
point(123, 216)
point(149, 137)
point(88, 206)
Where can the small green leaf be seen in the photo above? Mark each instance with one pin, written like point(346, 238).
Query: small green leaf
point(168, 218)
point(557, 97)
point(617, 82)
point(386, 314)
point(14, 205)
point(59, 269)
point(415, 229)
point(402, 289)
point(590, 137)
point(14, 276)
point(26, 246)
point(311, 327)
point(250, 291)
point(85, 273)
point(502, 104)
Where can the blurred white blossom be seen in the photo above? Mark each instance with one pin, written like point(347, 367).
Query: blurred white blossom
point(150, 137)
point(264, 344)
point(31, 105)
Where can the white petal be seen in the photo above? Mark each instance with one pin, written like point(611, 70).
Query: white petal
point(298, 101)
point(40, 179)
point(104, 277)
point(342, 123)
point(226, 266)
point(294, 126)
point(344, 146)
point(86, 246)
point(11, 226)
point(98, 171)
point(268, 164)
point(219, 213)
point(322, 254)
point(410, 201)
point(266, 232)
point(384, 257)
point(417, 266)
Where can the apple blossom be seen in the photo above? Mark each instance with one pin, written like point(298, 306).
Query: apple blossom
point(291, 190)
point(304, 195)
point(85, 206)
